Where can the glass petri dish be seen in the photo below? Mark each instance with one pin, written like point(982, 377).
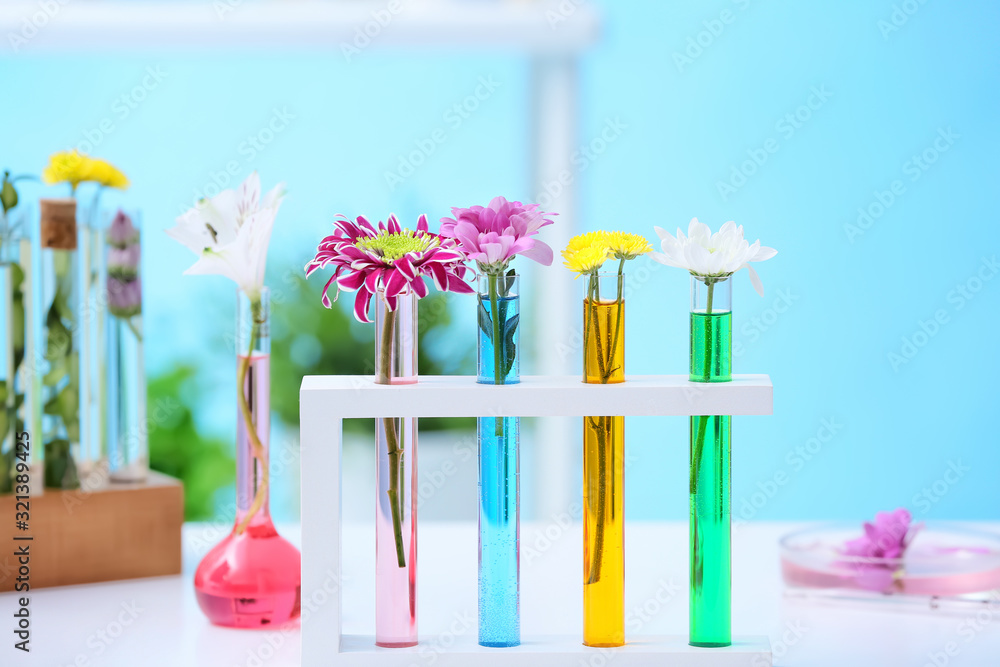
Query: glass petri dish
point(944, 559)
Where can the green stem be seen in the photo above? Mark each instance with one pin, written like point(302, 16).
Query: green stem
point(135, 329)
point(395, 492)
point(618, 318)
point(701, 434)
point(497, 343)
point(94, 204)
point(595, 297)
point(602, 497)
point(586, 323)
point(256, 446)
point(498, 364)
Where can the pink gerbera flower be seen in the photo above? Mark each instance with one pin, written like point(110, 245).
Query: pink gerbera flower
point(387, 259)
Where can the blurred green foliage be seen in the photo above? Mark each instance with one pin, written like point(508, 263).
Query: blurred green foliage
point(306, 339)
point(176, 447)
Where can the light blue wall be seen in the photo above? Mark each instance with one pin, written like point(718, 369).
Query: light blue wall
point(836, 306)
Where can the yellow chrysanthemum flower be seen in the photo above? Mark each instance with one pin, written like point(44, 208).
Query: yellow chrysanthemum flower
point(74, 168)
point(587, 259)
point(581, 241)
point(66, 167)
point(627, 246)
point(108, 175)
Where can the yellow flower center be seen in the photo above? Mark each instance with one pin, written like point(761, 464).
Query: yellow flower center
point(392, 246)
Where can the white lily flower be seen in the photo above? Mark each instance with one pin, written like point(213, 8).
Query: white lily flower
point(712, 255)
point(230, 233)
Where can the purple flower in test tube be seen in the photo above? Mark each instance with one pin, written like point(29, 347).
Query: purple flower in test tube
point(122, 232)
point(124, 257)
point(124, 297)
point(124, 260)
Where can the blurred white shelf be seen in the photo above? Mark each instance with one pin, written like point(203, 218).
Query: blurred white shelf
point(115, 25)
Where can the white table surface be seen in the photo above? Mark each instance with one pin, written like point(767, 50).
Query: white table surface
point(165, 626)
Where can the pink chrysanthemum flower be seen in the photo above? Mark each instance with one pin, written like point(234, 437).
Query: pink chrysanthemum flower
point(388, 259)
point(494, 234)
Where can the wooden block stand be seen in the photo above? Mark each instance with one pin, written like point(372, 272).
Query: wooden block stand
point(121, 531)
point(325, 401)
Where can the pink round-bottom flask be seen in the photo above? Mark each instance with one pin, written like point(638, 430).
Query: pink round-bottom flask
point(251, 579)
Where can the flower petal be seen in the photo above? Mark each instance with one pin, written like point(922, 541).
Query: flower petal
point(361, 302)
point(372, 280)
point(540, 252)
point(755, 280)
point(447, 227)
point(439, 275)
point(326, 288)
point(764, 253)
point(419, 287)
point(405, 268)
point(274, 197)
point(351, 281)
point(699, 232)
point(396, 283)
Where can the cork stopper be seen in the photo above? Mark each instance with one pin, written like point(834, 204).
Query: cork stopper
point(58, 223)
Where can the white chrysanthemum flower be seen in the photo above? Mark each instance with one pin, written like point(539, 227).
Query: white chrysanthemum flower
point(712, 255)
